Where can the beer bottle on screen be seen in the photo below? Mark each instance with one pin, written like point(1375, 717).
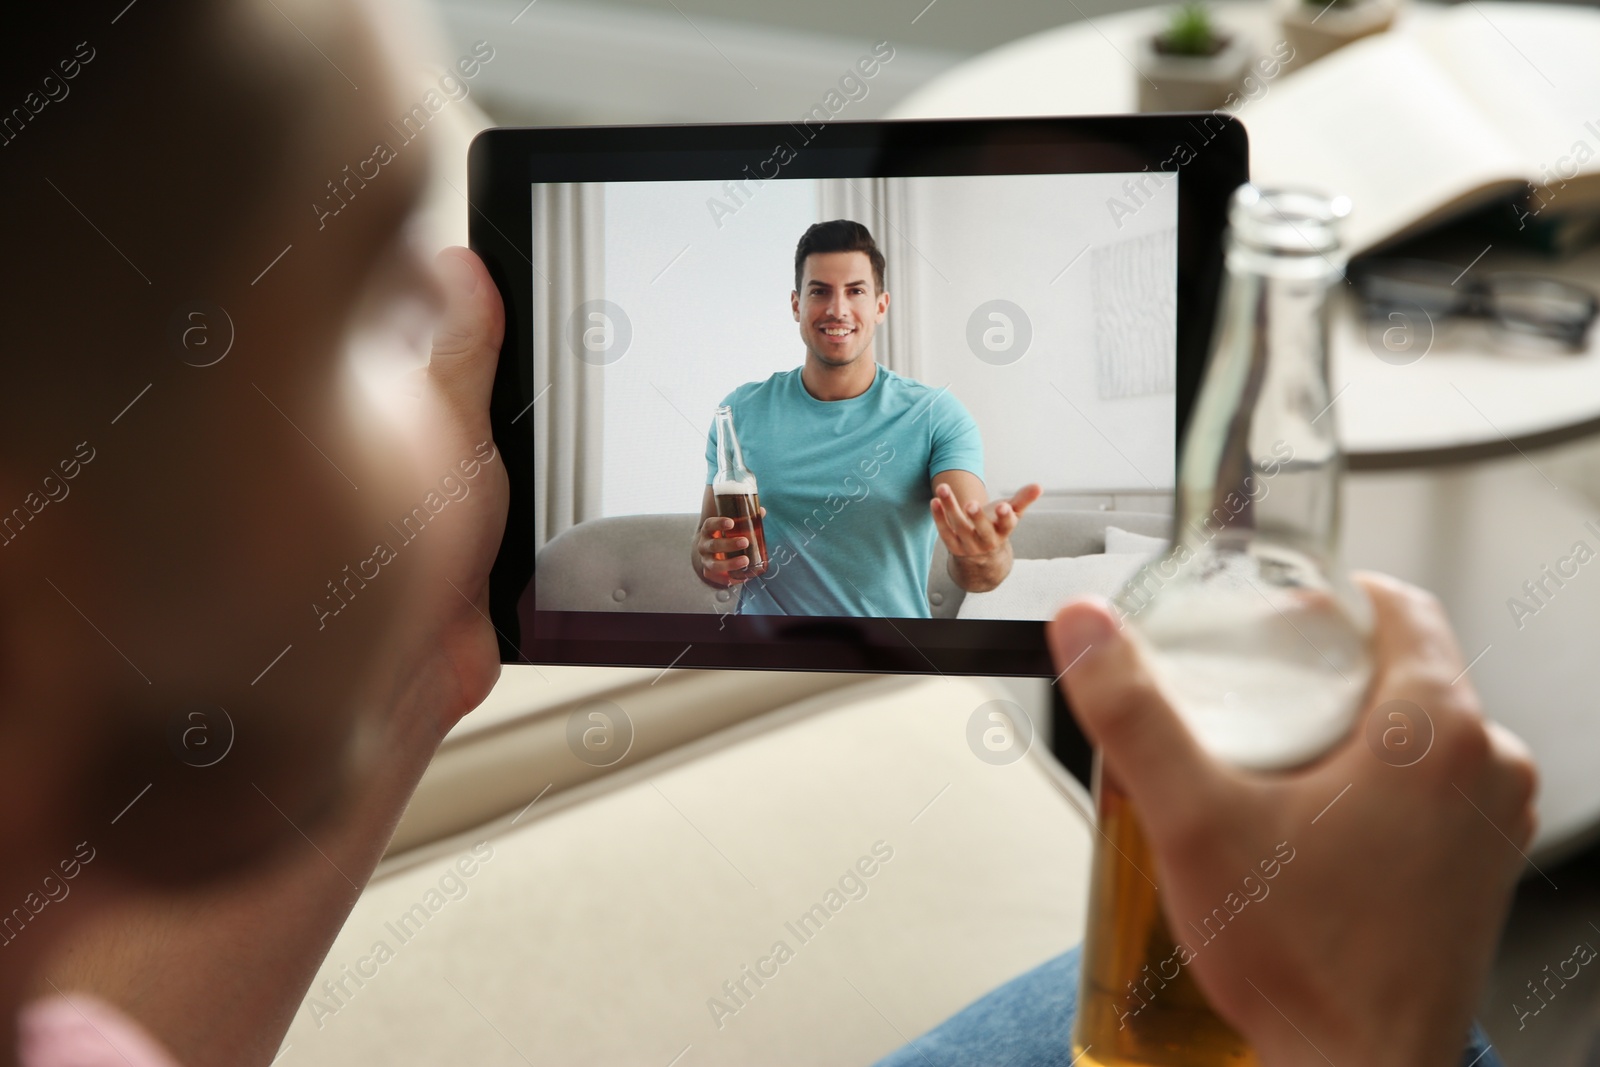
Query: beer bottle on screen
point(1250, 620)
point(734, 488)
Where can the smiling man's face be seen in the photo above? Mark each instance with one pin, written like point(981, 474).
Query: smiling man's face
point(839, 307)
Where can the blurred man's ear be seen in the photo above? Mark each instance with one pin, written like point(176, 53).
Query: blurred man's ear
point(182, 167)
point(140, 184)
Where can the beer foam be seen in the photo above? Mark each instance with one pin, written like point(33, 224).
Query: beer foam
point(1260, 714)
point(734, 488)
point(1262, 683)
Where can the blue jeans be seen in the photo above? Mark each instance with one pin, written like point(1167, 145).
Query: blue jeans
point(1028, 1023)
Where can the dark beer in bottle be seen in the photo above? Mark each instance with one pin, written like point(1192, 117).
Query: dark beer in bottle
point(735, 491)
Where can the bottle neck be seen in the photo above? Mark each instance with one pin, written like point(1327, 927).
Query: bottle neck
point(730, 461)
point(1261, 459)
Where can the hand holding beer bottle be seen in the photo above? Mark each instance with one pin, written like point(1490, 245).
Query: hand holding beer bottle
point(1365, 898)
point(731, 545)
point(724, 552)
point(1263, 645)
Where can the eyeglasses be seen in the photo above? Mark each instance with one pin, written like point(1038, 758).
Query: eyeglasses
point(1523, 305)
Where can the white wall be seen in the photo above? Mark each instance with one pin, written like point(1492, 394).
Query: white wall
point(716, 318)
point(1020, 232)
point(709, 308)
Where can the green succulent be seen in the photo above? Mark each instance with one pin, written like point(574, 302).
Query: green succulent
point(1190, 31)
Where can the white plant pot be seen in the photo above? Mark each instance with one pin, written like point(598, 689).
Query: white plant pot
point(1314, 27)
point(1190, 83)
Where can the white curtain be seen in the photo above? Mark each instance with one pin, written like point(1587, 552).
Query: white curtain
point(884, 206)
point(569, 269)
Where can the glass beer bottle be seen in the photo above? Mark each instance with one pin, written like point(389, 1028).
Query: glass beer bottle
point(1250, 620)
point(735, 491)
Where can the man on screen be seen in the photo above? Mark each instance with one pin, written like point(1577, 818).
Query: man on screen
point(859, 468)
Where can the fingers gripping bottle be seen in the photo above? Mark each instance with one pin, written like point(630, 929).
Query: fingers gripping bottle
point(1250, 620)
point(735, 491)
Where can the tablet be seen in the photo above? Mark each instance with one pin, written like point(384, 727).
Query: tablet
point(744, 365)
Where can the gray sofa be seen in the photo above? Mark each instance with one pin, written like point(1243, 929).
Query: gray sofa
point(642, 562)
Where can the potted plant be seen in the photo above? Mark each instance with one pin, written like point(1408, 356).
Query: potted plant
point(1191, 65)
point(1317, 27)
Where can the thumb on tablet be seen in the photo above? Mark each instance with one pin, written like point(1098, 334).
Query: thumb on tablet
point(466, 340)
point(1113, 693)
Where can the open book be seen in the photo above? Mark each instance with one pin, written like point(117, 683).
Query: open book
point(1452, 108)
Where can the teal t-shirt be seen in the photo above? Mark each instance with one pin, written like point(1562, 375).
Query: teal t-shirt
point(846, 485)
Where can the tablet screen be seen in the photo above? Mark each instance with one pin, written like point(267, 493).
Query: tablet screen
point(773, 415)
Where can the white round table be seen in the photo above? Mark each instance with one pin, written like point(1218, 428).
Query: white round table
point(1475, 469)
point(1462, 401)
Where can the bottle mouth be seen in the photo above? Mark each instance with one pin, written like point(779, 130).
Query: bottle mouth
point(1292, 221)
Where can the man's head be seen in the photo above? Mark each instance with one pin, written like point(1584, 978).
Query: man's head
point(839, 297)
point(180, 164)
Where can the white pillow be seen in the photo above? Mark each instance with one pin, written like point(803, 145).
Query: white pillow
point(1120, 541)
point(1036, 588)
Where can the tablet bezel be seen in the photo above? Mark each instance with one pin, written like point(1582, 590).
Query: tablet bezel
point(1208, 150)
